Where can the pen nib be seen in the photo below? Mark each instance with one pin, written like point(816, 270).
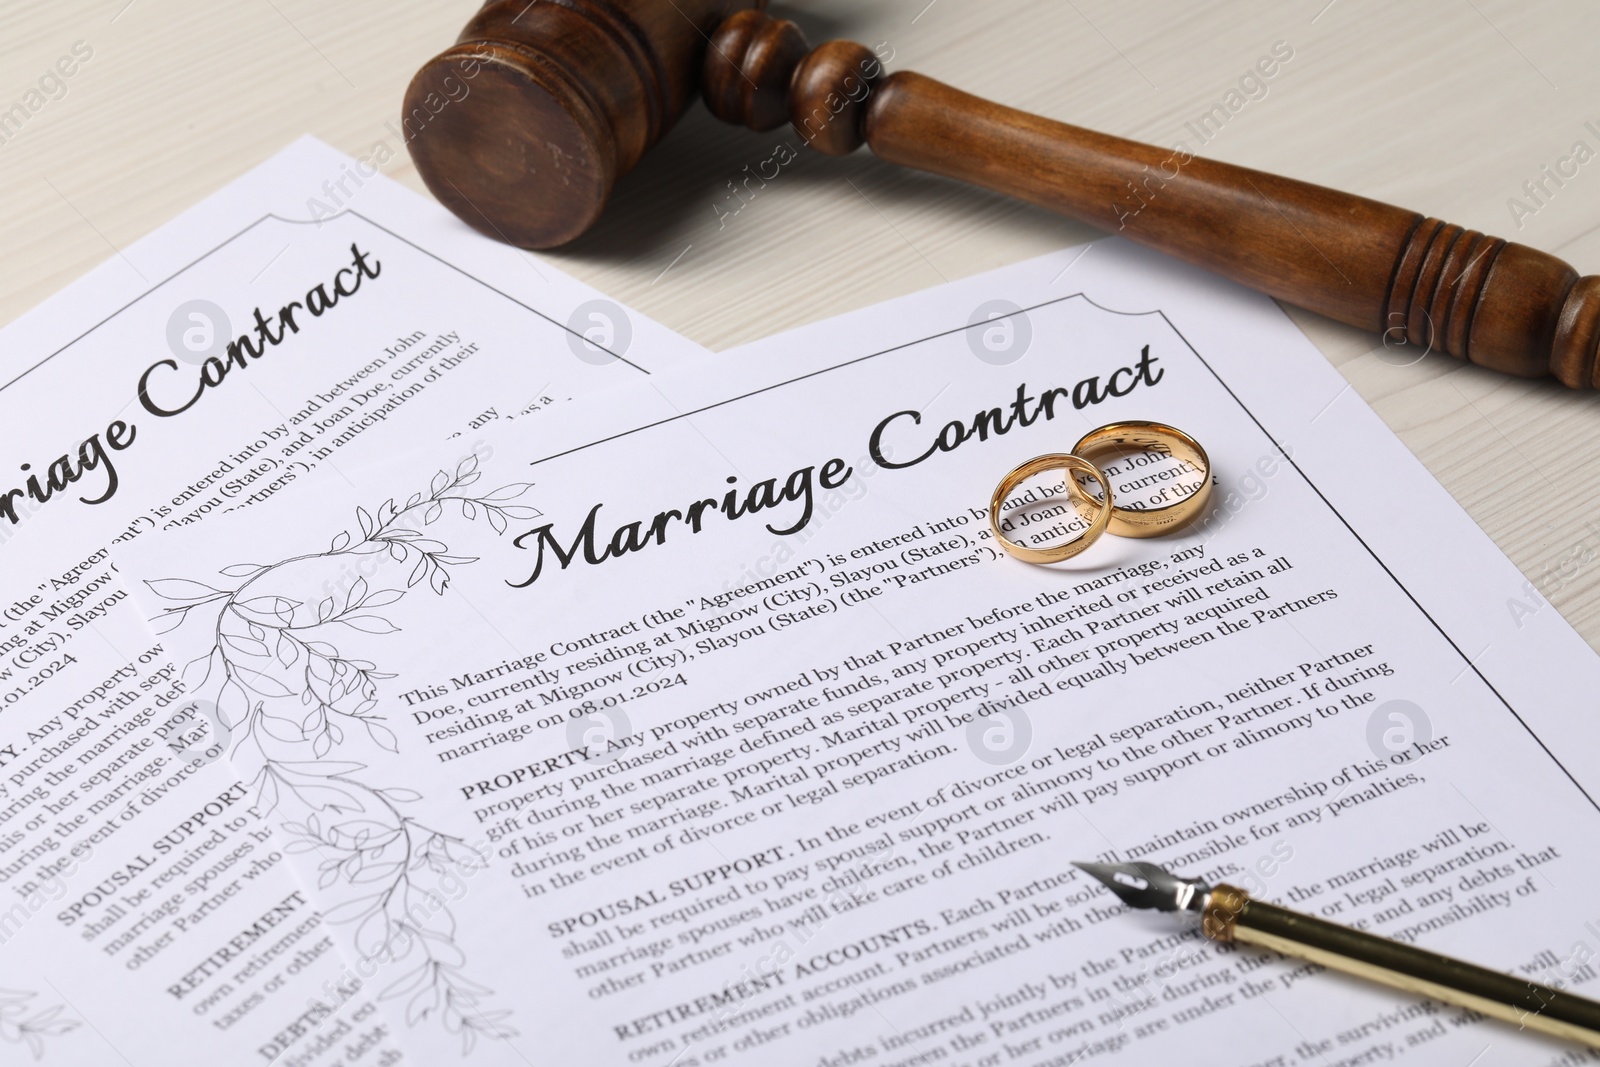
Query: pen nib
point(1144, 885)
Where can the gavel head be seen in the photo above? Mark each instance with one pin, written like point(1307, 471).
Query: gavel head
point(524, 125)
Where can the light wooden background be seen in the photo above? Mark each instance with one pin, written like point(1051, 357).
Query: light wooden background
point(1445, 106)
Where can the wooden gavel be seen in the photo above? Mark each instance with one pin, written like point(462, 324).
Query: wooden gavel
point(526, 123)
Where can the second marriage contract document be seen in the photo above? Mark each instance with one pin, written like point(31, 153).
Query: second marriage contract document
point(710, 725)
point(206, 368)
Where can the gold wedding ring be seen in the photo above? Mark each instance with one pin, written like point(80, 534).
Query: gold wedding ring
point(1072, 465)
point(1147, 437)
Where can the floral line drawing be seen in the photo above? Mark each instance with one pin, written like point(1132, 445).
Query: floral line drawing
point(20, 1028)
point(287, 696)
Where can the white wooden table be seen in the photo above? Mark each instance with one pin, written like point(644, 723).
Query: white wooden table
point(1444, 106)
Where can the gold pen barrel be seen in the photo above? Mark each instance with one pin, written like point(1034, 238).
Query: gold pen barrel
point(1232, 916)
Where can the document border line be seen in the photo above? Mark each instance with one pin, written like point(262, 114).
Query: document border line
point(302, 222)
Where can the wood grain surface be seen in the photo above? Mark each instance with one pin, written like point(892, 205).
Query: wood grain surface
point(1447, 107)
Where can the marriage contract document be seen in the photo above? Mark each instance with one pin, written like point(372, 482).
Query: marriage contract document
point(307, 316)
point(709, 725)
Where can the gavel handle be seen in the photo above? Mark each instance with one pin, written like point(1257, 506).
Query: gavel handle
point(1382, 268)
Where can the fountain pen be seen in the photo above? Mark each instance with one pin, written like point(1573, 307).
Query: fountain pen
point(1228, 914)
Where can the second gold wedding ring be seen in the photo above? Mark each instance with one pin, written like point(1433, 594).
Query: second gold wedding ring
point(1073, 466)
point(1125, 437)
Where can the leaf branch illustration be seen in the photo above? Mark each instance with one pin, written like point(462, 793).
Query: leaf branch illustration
point(22, 1024)
point(287, 693)
point(396, 919)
